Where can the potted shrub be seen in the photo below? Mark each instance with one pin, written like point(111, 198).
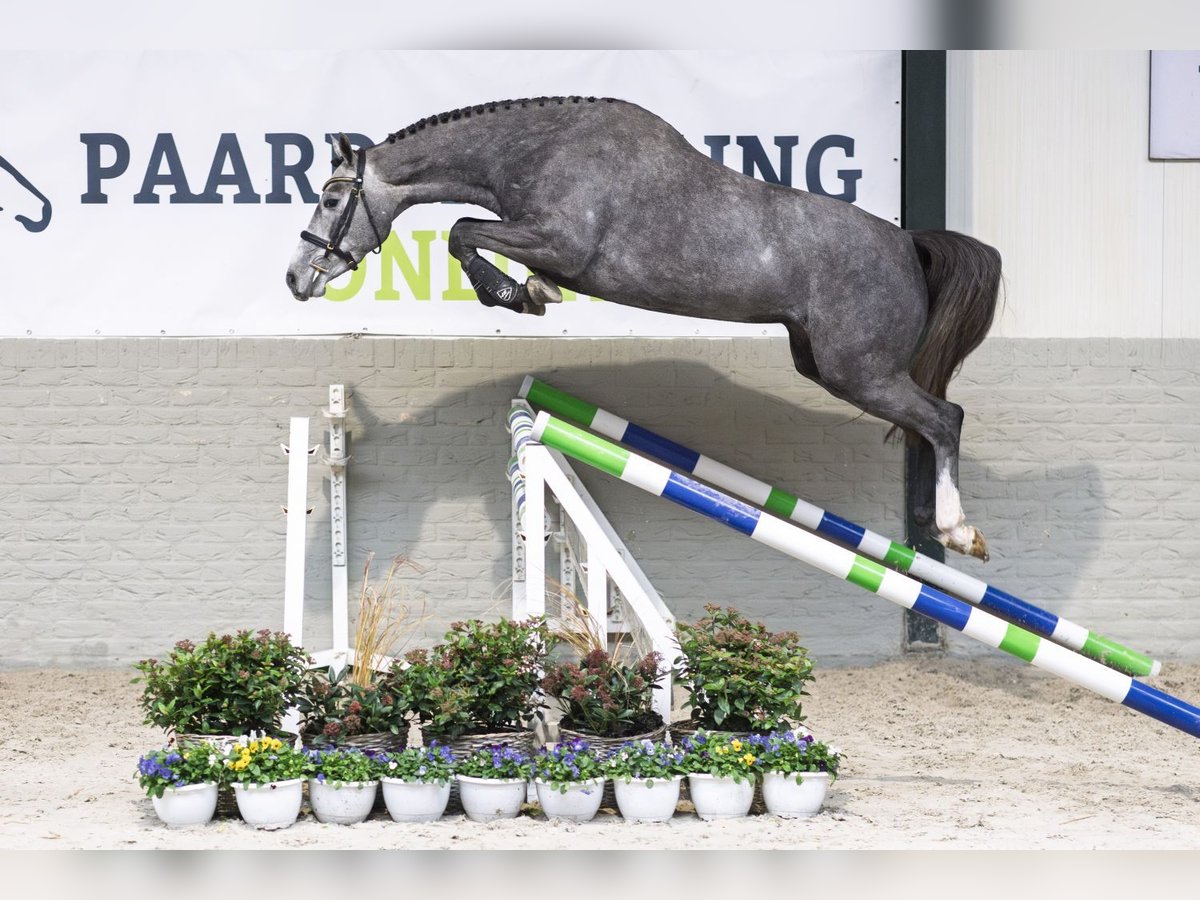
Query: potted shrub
point(600, 697)
point(739, 677)
point(182, 783)
point(493, 782)
point(722, 772)
point(337, 711)
point(646, 776)
point(227, 686)
point(797, 772)
point(416, 782)
point(478, 687)
point(342, 784)
point(268, 780)
point(569, 780)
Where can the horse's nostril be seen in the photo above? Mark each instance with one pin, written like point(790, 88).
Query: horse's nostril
point(291, 279)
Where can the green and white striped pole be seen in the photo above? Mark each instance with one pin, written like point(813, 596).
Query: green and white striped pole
point(876, 546)
point(866, 573)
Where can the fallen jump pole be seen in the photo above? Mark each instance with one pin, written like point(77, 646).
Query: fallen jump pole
point(866, 573)
point(876, 546)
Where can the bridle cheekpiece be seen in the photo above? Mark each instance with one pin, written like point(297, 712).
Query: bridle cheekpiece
point(342, 226)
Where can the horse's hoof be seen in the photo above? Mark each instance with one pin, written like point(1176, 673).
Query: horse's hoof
point(542, 291)
point(979, 546)
point(967, 540)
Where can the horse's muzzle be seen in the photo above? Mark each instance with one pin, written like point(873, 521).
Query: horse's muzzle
point(294, 286)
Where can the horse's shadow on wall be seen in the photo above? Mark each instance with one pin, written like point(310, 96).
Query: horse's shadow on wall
point(428, 479)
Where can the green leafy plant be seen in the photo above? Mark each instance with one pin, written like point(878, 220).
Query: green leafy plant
point(567, 763)
point(232, 685)
point(263, 760)
point(602, 696)
point(795, 753)
point(481, 678)
point(432, 764)
point(174, 768)
point(649, 760)
point(497, 761)
point(722, 756)
point(342, 766)
point(738, 675)
point(333, 707)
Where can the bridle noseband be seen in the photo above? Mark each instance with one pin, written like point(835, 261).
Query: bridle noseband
point(332, 245)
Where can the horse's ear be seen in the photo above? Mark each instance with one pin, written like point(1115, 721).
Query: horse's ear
point(345, 150)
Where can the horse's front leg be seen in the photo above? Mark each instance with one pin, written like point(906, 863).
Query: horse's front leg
point(516, 240)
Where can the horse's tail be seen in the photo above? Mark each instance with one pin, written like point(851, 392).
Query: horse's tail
point(963, 278)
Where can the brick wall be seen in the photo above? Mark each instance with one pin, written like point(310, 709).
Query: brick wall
point(142, 482)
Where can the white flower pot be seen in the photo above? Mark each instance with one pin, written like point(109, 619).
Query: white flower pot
point(647, 799)
point(785, 798)
point(720, 797)
point(579, 803)
point(193, 804)
point(415, 801)
point(488, 799)
point(275, 804)
point(347, 804)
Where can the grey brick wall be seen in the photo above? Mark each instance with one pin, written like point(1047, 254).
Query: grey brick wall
point(142, 482)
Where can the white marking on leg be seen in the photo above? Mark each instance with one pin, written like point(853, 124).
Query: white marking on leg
point(951, 520)
point(949, 504)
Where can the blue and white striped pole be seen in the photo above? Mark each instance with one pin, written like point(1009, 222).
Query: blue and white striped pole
point(876, 546)
point(848, 565)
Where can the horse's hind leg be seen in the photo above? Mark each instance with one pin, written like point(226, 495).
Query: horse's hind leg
point(896, 398)
point(518, 241)
point(902, 402)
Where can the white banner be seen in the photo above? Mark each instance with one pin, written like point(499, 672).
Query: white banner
point(164, 193)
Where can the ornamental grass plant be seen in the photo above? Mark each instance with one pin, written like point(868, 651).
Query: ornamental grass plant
point(384, 622)
point(738, 676)
point(234, 684)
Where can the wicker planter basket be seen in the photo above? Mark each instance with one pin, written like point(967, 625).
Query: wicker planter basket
point(604, 744)
point(372, 742)
point(466, 744)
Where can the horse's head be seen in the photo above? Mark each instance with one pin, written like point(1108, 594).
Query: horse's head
point(345, 227)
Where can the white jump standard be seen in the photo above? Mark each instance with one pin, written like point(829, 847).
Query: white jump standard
point(842, 563)
point(788, 506)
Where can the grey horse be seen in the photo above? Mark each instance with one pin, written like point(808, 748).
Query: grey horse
point(605, 198)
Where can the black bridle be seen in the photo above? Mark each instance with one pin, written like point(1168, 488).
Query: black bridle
point(332, 245)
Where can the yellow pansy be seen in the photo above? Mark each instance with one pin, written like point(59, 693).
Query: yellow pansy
point(737, 745)
point(748, 759)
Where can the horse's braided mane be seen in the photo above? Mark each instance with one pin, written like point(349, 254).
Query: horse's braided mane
point(484, 108)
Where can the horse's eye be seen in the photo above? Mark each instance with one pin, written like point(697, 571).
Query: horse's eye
point(331, 203)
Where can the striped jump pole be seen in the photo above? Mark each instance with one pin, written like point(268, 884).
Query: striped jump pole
point(876, 546)
point(866, 573)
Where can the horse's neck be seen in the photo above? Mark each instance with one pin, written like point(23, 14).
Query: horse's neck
point(443, 167)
